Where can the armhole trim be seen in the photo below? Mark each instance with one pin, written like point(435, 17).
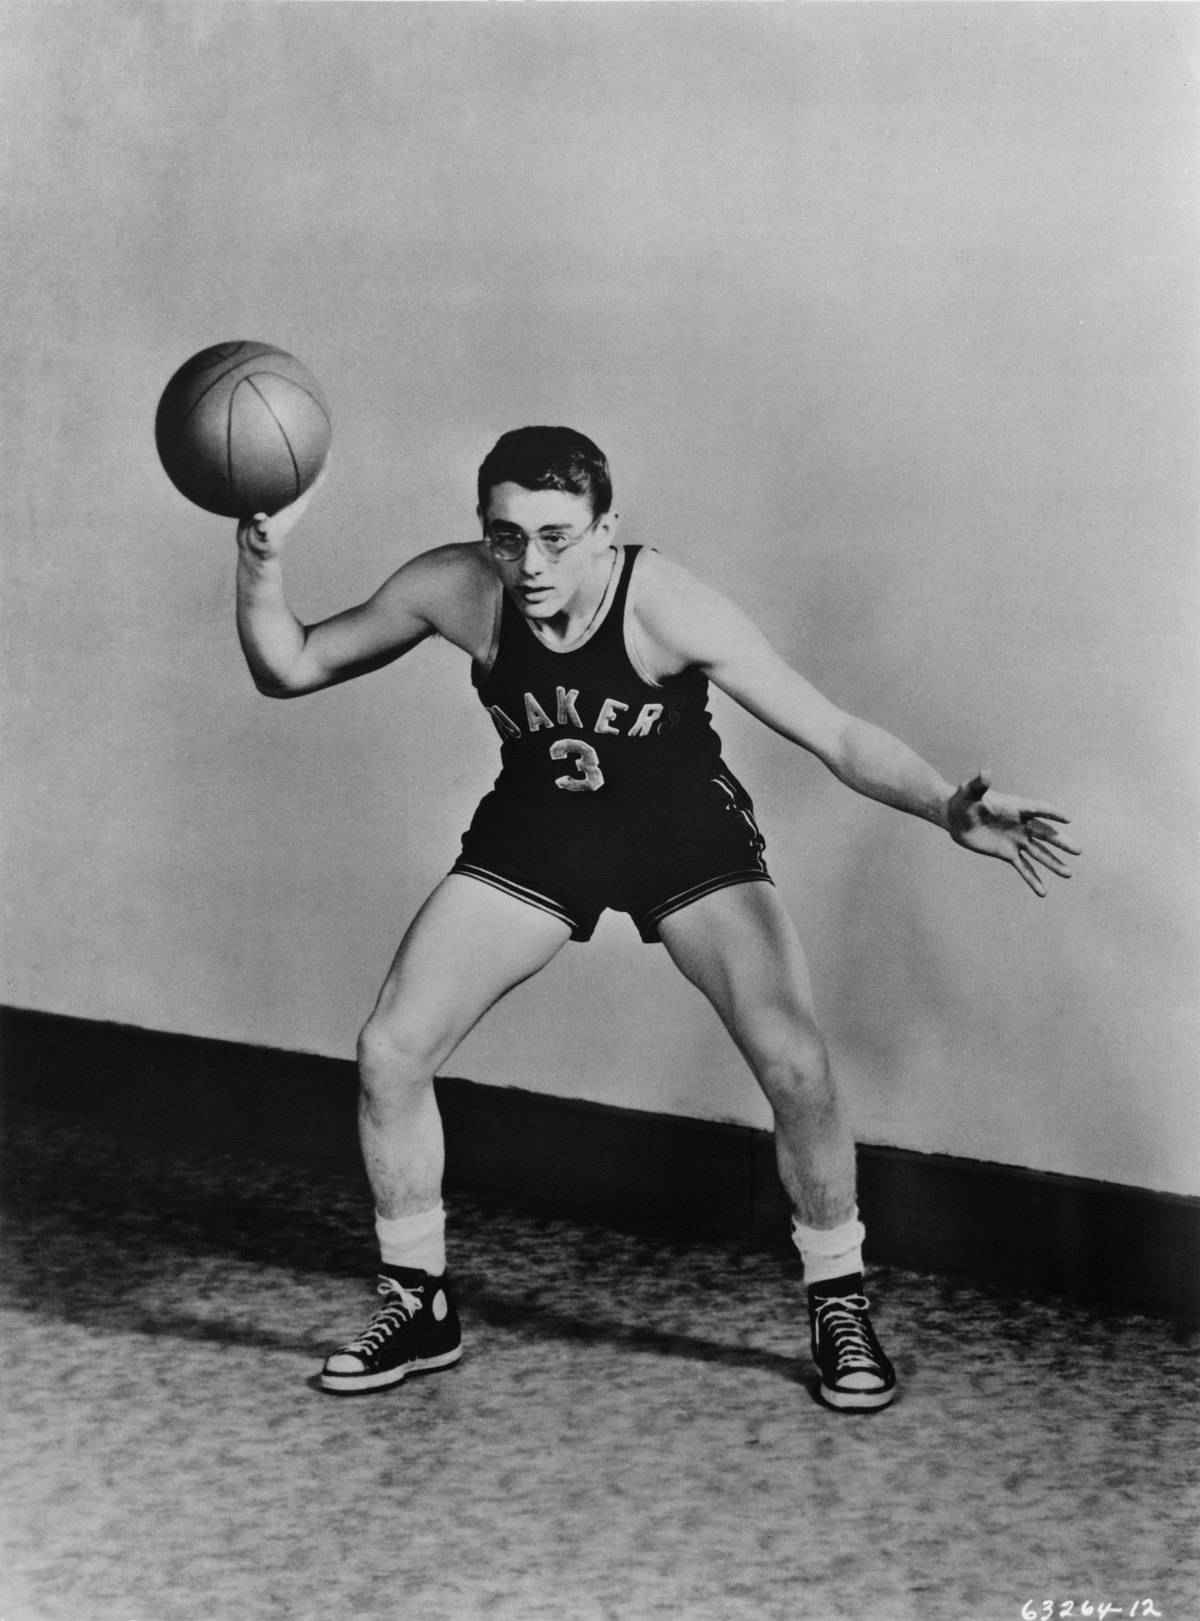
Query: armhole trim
point(628, 628)
point(483, 667)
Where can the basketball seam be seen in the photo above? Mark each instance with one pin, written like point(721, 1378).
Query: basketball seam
point(230, 493)
point(206, 390)
point(282, 430)
point(262, 372)
point(284, 378)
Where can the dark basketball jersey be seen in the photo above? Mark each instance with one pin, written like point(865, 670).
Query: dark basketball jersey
point(584, 728)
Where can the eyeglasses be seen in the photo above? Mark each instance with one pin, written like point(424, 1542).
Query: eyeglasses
point(509, 543)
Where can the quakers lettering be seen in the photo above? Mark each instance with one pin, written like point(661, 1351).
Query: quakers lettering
point(611, 718)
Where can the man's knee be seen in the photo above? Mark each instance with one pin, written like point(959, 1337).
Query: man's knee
point(792, 1063)
point(396, 1053)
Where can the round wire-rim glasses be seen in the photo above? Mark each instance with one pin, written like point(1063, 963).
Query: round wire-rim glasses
point(510, 544)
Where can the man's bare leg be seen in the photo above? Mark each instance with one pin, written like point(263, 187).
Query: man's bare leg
point(468, 946)
point(740, 948)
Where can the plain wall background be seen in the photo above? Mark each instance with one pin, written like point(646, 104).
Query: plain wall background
point(886, 316)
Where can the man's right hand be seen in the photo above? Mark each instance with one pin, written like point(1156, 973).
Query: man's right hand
point(261, 537)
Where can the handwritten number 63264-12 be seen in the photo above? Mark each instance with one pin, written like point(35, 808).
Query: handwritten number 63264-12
point(1067, 1609)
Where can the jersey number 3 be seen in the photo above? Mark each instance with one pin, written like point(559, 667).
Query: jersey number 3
point(587, 776)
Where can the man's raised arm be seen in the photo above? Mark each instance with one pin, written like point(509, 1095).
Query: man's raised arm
point(287, 658)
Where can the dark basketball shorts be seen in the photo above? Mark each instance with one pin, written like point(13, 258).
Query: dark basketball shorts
point(648, 863)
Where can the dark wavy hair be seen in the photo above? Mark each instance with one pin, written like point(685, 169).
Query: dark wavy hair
point(547, 459)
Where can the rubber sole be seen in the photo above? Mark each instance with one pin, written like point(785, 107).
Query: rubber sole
point(857, 1401)
point(364, 1384)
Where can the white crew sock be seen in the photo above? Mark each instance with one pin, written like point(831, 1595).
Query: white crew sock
point(829, 1252)
point(415, 1241)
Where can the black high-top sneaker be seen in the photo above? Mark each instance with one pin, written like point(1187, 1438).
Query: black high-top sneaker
point(856, 1376)
point(414, 1331)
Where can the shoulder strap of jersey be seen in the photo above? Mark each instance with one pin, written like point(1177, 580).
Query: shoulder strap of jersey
point(609, 638)
point(616, 613)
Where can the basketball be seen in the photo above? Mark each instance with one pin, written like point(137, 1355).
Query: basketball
point(242, 428)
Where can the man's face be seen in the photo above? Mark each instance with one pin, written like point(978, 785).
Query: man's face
point(563, 549)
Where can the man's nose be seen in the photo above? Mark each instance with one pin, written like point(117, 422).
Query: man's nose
point(532, 561)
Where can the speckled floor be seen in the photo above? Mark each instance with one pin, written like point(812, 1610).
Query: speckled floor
point(630, 1437)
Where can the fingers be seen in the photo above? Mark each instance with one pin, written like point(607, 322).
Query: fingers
point(265, 533)
point(255, 535)
point(1038, 820)
point(1028, 855)
point(1048, 812)
point(1046, 857)
point(1051, 835)
point(1029, 873)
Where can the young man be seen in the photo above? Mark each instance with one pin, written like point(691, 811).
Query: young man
point(594, 661)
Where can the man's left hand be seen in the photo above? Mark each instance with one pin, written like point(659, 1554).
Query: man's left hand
point(1023, 832)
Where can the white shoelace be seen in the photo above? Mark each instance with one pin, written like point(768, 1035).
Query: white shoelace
point(840, 1318)
point(400, 1310)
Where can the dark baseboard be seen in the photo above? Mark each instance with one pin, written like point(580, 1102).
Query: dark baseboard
point(998, 1224)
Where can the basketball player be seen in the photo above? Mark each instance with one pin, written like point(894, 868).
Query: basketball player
point(594, 660)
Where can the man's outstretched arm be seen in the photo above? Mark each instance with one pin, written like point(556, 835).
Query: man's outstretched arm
point(695, 625)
